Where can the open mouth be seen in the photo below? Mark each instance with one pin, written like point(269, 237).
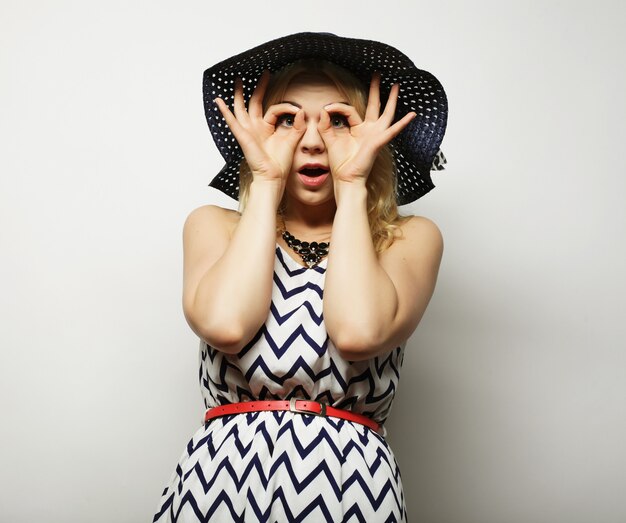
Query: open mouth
point(313, 172)
point(313, 175)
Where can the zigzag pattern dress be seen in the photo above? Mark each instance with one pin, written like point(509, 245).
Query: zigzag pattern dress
point(276, 467)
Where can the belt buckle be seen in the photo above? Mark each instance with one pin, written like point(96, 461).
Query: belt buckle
point(294, 408)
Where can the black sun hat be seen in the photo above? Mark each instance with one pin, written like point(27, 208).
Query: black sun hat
point(415, 150)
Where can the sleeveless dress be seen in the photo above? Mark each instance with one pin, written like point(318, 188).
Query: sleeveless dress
point(281, 466)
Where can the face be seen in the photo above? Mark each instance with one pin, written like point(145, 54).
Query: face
point(310, 181)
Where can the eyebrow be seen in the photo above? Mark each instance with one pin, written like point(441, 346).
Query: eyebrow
point(300, 107)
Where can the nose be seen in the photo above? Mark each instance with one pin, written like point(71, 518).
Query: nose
point(311, 140)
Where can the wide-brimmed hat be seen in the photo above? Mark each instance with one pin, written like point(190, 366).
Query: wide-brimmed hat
point(415, 150)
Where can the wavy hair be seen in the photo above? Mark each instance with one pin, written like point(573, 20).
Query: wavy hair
point(382, 208)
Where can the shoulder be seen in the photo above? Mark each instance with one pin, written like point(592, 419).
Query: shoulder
point(218, 219)
point(417, 248)
point(206, 235)
point(418, 233)
point(420, 226)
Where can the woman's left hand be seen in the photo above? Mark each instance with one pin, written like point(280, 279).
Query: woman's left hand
point(353, 143)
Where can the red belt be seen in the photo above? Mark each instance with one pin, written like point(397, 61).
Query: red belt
point(301, 406)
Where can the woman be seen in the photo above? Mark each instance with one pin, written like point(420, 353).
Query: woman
point(310, 291)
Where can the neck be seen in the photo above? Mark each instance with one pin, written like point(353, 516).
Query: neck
point(311, 221)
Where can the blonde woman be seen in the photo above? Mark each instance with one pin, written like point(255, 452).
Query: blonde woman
point(304, 298)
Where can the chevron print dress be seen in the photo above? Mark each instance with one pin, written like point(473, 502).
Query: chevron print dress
point(276, 467)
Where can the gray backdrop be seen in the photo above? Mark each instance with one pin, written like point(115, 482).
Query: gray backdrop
point(511, 408)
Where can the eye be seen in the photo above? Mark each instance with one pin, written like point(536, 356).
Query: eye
point(285, 120)
point(338, 121)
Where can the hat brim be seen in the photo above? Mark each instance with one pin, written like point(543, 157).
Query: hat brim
point(414, 149)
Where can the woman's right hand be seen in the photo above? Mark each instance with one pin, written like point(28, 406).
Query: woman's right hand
point(269, 154)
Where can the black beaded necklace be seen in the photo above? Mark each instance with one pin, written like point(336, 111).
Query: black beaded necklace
point(310, 252)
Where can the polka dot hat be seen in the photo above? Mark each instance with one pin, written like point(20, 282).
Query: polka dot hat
point(416, 149)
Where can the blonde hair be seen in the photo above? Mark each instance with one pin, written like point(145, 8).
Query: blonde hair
point(382, 208)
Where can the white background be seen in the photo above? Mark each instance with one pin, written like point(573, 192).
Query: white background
point(512, 407)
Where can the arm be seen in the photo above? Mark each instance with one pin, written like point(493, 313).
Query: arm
point(229, 261)
point(372, 302)
point(226, 291)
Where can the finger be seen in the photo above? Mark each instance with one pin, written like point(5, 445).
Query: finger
point(239, 104)
point(248, 145)
point(275, 111)
point(390, 107)
point(397, 127)
point(238, 131)
point(373, 99)
point(298, 123)
point(230, 118)
point(255, 106)
point(323, 126)
point(225, 110)
point(344, 109)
